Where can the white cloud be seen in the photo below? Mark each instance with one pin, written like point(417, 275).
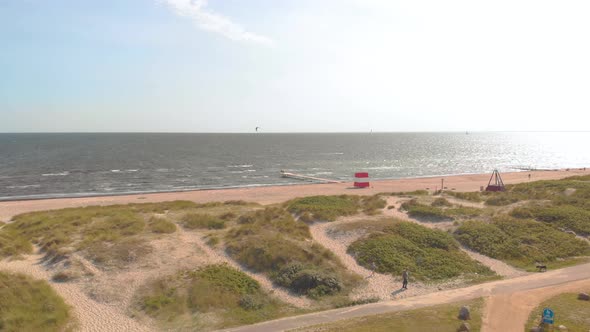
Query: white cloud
point(208, 20)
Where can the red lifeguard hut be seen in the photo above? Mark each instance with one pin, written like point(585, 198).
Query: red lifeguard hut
point(495, 183)
point(361, 180)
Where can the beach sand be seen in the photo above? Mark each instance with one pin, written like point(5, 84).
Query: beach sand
point(278, 194)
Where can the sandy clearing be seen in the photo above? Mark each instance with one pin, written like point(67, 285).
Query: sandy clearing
point(277, 194)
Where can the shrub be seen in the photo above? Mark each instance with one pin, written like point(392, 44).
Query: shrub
point(428, 254)
point(30, 305)
point(161, 226)
point(202, 221)
point(228, 216)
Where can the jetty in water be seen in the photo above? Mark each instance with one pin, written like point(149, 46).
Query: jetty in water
point(306, 177)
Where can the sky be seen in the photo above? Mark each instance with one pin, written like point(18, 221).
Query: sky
point(294, 65)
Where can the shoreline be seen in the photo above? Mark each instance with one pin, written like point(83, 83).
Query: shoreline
point(279, 193)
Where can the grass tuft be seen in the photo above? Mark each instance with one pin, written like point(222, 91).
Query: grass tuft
point(202, 221)
point(30, 305)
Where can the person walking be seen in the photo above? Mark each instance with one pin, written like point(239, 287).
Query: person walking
point(373, 268)
point(405, 276)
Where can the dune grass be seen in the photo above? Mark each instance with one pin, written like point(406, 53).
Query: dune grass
point(211, 297)
point(161, 226)
point(328, 208)
point(567, 217)
point(12, 244)
point(429, 254)
point(112, 236)
point(521, 242)
point(466, 196)
point(31, 305)
point(569, 311)
point(430, 319)
point(202, 221)
point(439, 210)
point(272, 242)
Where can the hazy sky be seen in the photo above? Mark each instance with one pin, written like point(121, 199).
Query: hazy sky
point(294, 65)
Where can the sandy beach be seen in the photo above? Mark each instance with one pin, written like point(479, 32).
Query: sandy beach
point(277, 194)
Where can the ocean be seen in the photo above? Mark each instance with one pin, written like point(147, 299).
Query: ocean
point(70, 165)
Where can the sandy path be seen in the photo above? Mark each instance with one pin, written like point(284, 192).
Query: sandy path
point(90, 315)
point(518, 306)
point(277, 194)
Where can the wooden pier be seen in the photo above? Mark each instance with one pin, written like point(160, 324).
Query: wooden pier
point(306, 177)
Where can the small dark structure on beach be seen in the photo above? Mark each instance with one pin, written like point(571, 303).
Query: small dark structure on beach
point(495, 183)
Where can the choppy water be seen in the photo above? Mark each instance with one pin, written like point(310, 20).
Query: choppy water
point(55, 165)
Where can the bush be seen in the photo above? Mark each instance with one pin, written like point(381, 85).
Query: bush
point(30, 305)
point(428, 254)
point(161, 226)
point(202, 221)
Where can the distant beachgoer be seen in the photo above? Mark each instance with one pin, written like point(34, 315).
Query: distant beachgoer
point(405, 276)
point(529, 176)
point(373, 268)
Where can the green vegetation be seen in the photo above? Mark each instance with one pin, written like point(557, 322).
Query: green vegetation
point(435, 212)
point(161, 226)
point(110, 235)
point(12, 244)
point(272, 242)
point(428, 254)
point(409, 193)
point(430, 319)
point(331, 207)
point(212, 297)
point(568, 217)
point(30, 305)
point(467, 196)
point(441, 201)
point(520, 242)
point(202, 221)
point(569, 311)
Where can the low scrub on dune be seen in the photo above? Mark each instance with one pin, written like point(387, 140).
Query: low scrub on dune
point(441, 211)
point(441, 201)
point(272, 242)
point(565, 217)
point(466, 196)
point(31, 305)
point(202, 221)
point(429, 254)
point(211, 297)
point(409, 193)
point(329, 208)
point(12, 244)
point(161, 226)
point(103, 233)
point(521, 242)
